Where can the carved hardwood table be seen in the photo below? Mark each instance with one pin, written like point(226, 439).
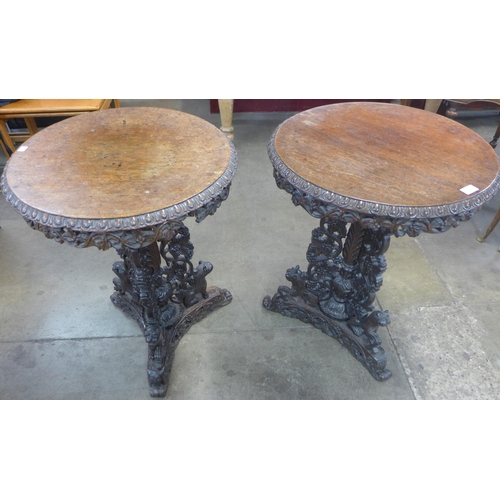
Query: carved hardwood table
point(126, 179)
point(369, 171)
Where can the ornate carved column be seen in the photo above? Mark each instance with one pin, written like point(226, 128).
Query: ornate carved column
point(127, 178)
point(369, 171)
point(337, 291)
point(165, 300)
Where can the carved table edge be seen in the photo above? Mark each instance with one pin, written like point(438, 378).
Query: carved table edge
point(347, 204)
point(193, 206)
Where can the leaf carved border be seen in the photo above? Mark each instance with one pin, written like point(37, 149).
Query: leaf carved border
point(399, 219)
point(199, 206)
point(134, 239)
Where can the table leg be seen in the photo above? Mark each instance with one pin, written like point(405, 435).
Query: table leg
point(337, 291)
point(31, 124)
point(164, 300)
point(6, 137)
point(494, 141)
point(490, 228)
point(226, 116)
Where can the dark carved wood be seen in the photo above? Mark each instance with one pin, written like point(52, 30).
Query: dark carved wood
point(199, 206)
point(131, 238)
point(346, 254)
point(156, 282)
point(398, 219)
point(165, 300)
point(337, 291)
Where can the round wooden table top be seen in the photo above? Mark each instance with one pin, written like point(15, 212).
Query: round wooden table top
point(386, 154)
point(120, 163)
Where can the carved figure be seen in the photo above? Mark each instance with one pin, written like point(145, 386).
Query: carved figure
point(164, 300)
point(369, 326)
point(199, 283)
point(338, 289)
point(200, 278)
point(298, 280)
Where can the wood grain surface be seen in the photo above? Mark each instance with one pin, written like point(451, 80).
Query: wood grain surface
point(386, 153)
point(118, 163)
point(50, 106)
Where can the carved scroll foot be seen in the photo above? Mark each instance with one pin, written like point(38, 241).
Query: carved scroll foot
point(163, 338)
point(358, 337)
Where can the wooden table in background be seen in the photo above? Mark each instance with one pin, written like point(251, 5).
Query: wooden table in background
point(126, 179)
point(29, 110)
point(382, 170)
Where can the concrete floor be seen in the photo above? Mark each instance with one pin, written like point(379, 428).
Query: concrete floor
point(61, 337)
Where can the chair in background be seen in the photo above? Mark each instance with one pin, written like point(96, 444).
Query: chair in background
point(29, 110)
point(451, 110)
point(2, 147)
point(453, 106)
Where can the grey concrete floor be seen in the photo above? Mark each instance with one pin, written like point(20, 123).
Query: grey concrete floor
point(61, 337)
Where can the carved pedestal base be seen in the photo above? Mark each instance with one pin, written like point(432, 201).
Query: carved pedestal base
point(360, 338)
point(337, 291)
point(165, 300)
point(161, 353)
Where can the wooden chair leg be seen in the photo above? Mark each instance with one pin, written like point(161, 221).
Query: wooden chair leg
point(4, 149)
point(492, 226)
point(6, 137)
point(493, 143)
point(31, 124)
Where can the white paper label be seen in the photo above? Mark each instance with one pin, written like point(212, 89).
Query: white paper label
point(469, 189)
point(22, 148)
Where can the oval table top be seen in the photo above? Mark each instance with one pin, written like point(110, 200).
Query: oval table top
point(155, 164)
point(384, 154)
